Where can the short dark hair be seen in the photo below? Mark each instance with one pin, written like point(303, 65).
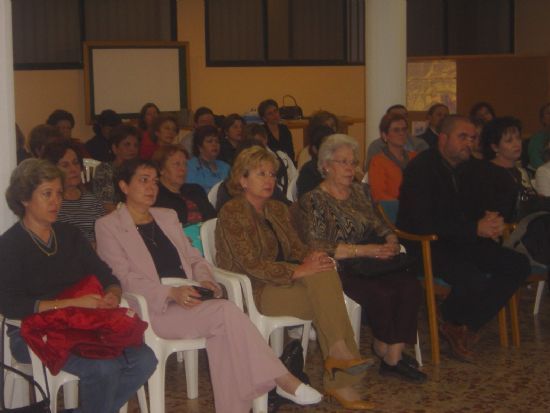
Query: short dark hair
point(320, 118)
point(493, 131)
point(436, 106)
point(108, 117)
point(264, 105)
point(127, 170)
point(477, 106)
point(388, 119)
point(40, 135)
point(143, 111)
point(253, 129)
point(203, 110)
point(56, 150)
point(396, 106)
point(121, 132)
point(230, 120)
point(317, 136)
point(200, 134)
point(157, 123)
point(24, 180)
point(58, 115)
point(449, 122)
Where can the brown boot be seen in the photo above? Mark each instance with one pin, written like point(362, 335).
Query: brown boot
point(456, 337)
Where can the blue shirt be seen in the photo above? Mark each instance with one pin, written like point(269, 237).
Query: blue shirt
point(199, 172)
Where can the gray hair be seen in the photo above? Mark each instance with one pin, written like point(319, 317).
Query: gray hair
point(330, 145)
point(24, 180)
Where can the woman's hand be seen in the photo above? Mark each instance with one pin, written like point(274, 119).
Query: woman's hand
point(379, 251)
point(214, 287)
point(315, 262)
point(185, 295)
point(86, 301)
point(109, 300)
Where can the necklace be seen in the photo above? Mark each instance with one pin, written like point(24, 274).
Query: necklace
point(38, 242)
point(150, 238)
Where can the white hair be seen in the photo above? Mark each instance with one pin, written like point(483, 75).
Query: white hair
point(330, 145)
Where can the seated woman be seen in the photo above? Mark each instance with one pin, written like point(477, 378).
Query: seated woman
point(144, 244)
point(434, 117)
point(278, 134)
point(147, 115)
point(232, 128)
point(124, 145)
point(309, 176)
point(204, 168)
point(98, 146)
point(188, 200)
point(39, 259)
point(164, 130)
point(254, 237)
point(386, 168)
point(79, 207)
point(338, 218)
point(542, 176)
point(496, 184)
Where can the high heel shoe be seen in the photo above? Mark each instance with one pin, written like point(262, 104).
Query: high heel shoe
point(353, 366)
point(350, 404)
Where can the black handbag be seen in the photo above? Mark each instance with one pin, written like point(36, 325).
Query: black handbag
point(42, 406)
point(291, 112)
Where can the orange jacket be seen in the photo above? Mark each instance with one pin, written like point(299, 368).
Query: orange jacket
point(385, 177)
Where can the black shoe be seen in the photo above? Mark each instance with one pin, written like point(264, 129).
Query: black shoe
point(402, 370)
point(410, 360)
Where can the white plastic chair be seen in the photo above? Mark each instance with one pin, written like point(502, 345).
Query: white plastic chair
point(189, 347)
point(213, 194)
point(292, 189)
point(89, 169)
point(271, 328)
point(538, 297)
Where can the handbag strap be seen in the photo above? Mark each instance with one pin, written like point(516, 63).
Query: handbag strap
point(292, 97)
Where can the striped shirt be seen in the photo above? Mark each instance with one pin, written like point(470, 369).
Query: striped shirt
point(82, 213)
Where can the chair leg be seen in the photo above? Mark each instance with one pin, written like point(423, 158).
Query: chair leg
point(540, 290)
point(156, 387)
point(70, 395)
point(305, 340)
point(432, 322)
point(417, 351)
point(191, 358)
point(502, 327)
point(259, 404)
point(514, 320)
point(142, 400)
point(276, 340)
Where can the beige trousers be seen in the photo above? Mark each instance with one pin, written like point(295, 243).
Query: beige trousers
point(320, 298)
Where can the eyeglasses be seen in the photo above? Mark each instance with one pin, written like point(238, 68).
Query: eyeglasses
point(263, 174)
point(345, 162)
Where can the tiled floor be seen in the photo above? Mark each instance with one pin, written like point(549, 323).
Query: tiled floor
point(502, 380)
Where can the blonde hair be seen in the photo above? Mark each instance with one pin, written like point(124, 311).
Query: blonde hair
point(246, 161)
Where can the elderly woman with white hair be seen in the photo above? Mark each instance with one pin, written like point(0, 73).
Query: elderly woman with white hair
point(338, 218)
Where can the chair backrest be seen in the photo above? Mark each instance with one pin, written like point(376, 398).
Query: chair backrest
point(390, 209)
point(292, 190)
point(208, 229)
point(213, 194)
point(89, 168)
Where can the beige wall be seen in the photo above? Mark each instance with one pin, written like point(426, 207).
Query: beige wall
point(531, 27)
point(225, 90)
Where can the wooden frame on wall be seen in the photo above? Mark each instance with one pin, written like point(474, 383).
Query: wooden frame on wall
point(126, 75)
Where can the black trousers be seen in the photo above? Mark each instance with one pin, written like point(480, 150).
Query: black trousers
point(483, 277)
point(390, 302)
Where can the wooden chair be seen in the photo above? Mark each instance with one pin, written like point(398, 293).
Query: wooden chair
point(437, 287)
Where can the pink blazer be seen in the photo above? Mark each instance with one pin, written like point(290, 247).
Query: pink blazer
point(120, 245)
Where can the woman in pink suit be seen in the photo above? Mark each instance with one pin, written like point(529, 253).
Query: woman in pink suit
point(142, 245)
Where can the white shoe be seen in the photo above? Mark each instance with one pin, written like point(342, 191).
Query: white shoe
point(305, 394)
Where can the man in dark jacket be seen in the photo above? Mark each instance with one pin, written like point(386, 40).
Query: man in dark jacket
point(483, 275)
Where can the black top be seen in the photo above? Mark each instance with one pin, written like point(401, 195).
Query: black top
point(99, 149)
point(192, 192)
point(28, 275)
point(431, 200)
point(309, 178)
point(223, 196)
point(164, 253)
point(430, 137)
point(284, 143)
point(227, 151)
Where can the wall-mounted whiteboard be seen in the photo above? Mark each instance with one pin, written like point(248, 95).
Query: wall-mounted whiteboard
point(123, 76)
